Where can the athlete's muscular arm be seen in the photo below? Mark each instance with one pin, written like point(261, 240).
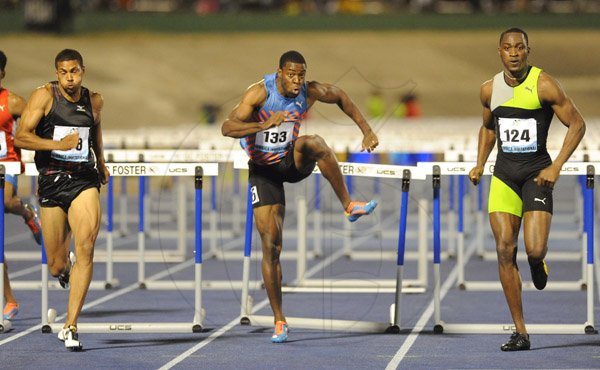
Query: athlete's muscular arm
point(239, 123)
point(37, 107)
point(97, 104)
point(550, 92)
point(331, 94)
point(16, 105)
point(487, 136)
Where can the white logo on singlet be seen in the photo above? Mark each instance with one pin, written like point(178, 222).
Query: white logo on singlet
point(80, 108)
point(540, 200)
point(299, 103)
point(2, 108)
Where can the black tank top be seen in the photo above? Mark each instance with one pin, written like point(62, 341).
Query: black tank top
point(63, 118)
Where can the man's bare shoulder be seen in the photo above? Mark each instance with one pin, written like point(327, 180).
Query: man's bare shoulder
point(97, 100)
point(256, 93)
point(41, 94)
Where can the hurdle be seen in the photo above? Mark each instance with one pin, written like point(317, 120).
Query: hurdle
point(461, 169)
point(383, 285)
point(357, 169)
point(442, 168)
point(197, 170)
point(6, 168)
point(490, 255)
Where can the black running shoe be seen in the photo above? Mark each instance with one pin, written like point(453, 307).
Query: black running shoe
point(63, 279)
point(517, 342)
point(539, 275)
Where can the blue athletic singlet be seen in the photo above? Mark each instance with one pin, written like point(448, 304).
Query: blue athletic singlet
point(271, 146)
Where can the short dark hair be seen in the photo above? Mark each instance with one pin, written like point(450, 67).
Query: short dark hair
point(68, 54)
point(514, 30)
point(291, 56)
point(2, 61)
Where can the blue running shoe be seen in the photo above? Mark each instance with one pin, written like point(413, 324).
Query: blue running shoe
point(356, 210)
point(34, 224)
point(10, 311)
point(281, 332)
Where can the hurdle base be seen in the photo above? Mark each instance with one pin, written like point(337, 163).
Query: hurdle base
point(130, 328)
point(330, 290)
point(527, 286)
point(206, 284)
point(54, 285)
point(584, 328)
point(354, 286)
point(551, 256)
point(323, 324)
point(5, 326)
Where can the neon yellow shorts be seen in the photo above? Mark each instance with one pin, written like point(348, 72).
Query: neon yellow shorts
point(504, 199)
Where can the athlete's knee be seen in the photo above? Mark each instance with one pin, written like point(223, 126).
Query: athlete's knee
point(12, 204)
point(506, 251)
point(57, 266)
point(317, 146)
point(271, 243)
point(536, 254)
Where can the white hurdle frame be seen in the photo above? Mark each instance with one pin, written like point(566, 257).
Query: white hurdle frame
point(354, 169)
point(198, 170)
point(490, 255)
point(437, 169)
point(418, 285)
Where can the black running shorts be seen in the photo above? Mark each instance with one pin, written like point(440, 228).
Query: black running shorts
point(60, 189)
point(266, 181)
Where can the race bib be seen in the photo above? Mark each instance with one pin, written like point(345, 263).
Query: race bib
point(3, 146)
point(78, 154)
point(518, 135)
point(275, 139)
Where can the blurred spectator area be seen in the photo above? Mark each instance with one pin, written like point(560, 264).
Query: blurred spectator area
point(333, 6)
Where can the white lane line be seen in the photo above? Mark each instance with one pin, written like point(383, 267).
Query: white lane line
point(24, 272)
point(321, 265)
point(424, 319)
point(106, 298)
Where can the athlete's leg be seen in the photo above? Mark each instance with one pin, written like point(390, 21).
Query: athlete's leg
point(269, 223)
point(57, 238)
point(84, 218)
point(8, 293)
point(536, 228)
point(13, 204)
point(505, 227)
point(312, 148)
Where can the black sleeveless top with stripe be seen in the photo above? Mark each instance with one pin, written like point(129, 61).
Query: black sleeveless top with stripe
point(65, 117)
point(521, 123)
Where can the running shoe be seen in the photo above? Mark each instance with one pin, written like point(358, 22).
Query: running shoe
point(539, 275)
point(71, 338)
point(63, 279)
point(34, 224)
point(281, 332)
point(517, 342)
point(357, 209)
point(10, 311)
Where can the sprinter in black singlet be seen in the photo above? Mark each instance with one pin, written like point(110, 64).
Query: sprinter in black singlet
point(61, 122)
point(518, 106)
